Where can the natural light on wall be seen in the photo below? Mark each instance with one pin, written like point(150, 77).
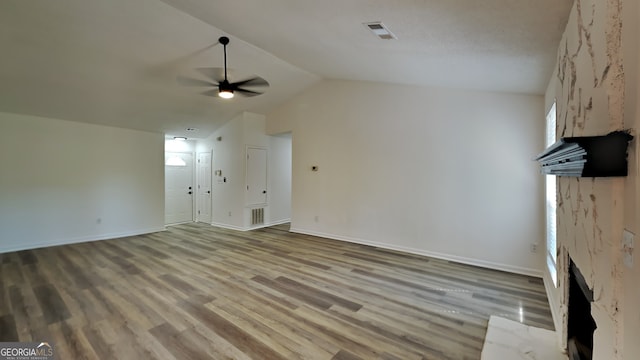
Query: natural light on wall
point(552, 253)
point(173, 145)
point(175, 160)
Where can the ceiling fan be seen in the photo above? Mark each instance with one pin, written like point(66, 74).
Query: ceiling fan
point(222, 87)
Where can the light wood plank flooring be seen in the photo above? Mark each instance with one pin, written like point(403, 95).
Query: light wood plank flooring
point(200, 292)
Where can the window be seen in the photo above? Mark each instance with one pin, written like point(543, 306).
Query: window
point(551, 193)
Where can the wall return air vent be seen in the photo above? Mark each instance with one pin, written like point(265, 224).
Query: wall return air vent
point(587, 156)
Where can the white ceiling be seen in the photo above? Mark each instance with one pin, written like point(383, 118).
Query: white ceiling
point(115, 62)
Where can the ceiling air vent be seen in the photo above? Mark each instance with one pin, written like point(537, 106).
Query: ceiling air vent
point(380, 30)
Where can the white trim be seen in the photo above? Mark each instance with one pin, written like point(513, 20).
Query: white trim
point(551, 291)
point(246, 175)
point(227, 226)
point(279, 222)
point(80, 240)
point(475, 262)
point(551, 204)
point(238, 228)
point(272, 223)
point(179, 223)
point(197, 186)
point(194, 175)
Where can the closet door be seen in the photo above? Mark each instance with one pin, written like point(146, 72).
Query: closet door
point(256, 176)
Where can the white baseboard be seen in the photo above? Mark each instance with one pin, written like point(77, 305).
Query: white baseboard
point(180, 223)
point(238, 228)
point(437, 255)
point(227, 226)
point(77, 240)
point(279, 222)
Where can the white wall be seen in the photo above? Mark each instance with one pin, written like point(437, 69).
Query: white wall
point(229, 207)
point(439, 172)
point(64, 182)
point(280, 178)
point(227, 194)
point(180, 146)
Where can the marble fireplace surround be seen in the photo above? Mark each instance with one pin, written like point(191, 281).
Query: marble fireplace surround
point(588, 87)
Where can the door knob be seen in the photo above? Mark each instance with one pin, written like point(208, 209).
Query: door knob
point(208, 192)
point(264, 191)
point(189, 187)
point(189, 192)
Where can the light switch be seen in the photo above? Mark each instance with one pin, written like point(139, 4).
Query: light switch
point(627, 248)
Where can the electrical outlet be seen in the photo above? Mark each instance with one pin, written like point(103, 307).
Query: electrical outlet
point(534, 248)
point(627, 248)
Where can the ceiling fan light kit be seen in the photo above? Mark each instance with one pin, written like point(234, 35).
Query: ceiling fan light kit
point(223, 88)
point(225, 94)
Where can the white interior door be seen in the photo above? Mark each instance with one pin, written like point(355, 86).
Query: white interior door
point(256, 176)
point(178, 177)
point(204, 187)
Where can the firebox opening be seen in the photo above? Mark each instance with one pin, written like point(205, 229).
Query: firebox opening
point(580, 322)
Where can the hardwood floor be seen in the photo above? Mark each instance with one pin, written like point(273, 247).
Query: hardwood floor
point(200, 292)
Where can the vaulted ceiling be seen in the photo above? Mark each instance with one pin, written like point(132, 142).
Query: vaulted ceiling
point(115, 62)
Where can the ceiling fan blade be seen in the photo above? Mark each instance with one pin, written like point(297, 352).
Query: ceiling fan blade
point(212, 92)
point(247, 93)
point(182, 80)
point(213, 73)
point(256, 81)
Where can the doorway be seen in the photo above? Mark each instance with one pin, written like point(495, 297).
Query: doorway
point(178, 174)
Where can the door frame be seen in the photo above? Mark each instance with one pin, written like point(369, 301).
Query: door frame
point(246, 174)
point(198, 204)
point(193, 183)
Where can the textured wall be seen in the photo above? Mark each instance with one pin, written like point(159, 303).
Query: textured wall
point(590, 94)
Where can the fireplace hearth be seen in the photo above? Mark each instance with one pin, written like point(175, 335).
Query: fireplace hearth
point(581, 324)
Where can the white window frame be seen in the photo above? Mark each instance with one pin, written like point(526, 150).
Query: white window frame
point(551, 194)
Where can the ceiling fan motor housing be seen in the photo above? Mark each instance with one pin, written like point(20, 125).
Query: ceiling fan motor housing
point(225, 86)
